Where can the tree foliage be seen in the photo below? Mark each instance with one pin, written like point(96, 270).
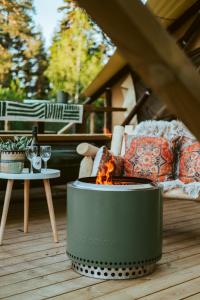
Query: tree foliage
point(13, 92)
point(22, 53)
point(78, 52)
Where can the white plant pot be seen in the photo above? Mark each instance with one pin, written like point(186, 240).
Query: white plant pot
point(12, 161)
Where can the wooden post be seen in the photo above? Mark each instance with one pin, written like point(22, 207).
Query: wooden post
point(82, 128)
point(192, 31)
point(7, 125)
point(92, 122)
point(41, 127)
point(159, 113)
point(108, 114)
point(136, 108)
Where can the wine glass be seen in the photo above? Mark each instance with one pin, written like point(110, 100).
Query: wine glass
point(31, 153)
point(45, 153)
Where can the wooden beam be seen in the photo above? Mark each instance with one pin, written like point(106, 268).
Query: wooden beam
point(191, 32)
point(152, 53)
point(93, 108)
point(108, 114)
point(92, 123)
point(184, 17)
point(80, 128)
point(115, 64)
point(160, 113)
point(66, 128)
point(124, 71)
point(194, 55)
point(136, 108)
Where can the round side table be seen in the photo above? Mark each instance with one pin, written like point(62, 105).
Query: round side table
point(27, 177)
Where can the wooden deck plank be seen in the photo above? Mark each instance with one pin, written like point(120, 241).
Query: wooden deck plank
point(141, 289)
point(177, 292)
point(34, 267)
point(56, 289)
point(15, 268)
point(34, 272)
point(41, 262)
point(19, 277)
point(119, 288)
point(48, 251)
point(193, 297)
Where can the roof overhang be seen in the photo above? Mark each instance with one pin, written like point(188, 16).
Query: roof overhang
point(166, 12)
point(153, 54)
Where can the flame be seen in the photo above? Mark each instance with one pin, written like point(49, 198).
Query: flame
point(106, 131)
point(104, 176)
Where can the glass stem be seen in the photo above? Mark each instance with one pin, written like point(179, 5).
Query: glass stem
point(31, 166)
point(45, 165)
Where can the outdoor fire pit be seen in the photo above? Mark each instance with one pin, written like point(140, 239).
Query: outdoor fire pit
point(114, 231)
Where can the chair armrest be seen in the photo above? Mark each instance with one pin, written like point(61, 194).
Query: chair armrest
point(86, 149)
point(117, 137)
point(86, 166)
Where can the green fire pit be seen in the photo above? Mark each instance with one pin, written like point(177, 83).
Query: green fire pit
point(114, 231)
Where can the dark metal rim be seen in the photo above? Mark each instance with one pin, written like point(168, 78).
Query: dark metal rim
point(113, 264)
point(129, 180)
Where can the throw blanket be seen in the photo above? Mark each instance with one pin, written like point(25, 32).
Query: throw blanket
point(40, 112)
point(192, 189)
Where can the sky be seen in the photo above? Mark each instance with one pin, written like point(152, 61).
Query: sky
point(47, 17)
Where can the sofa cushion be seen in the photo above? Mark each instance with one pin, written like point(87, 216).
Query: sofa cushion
point(189, 161)
point(149, 157)
point(104, 155)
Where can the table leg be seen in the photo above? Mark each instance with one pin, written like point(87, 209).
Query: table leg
point(26, 204)
point(51, 209)
point(5, 208)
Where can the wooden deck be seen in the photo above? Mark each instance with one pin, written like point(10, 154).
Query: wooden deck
point(33, 267)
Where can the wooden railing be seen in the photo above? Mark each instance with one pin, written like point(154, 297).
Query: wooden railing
point(89, 112)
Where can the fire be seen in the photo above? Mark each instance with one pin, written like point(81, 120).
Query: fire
point(106, 131)
point(105, 176)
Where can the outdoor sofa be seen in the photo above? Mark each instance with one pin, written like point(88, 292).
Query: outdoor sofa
point(175, 133)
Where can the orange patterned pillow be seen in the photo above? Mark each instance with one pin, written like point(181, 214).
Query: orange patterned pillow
point(189, 163)
point(149, 157)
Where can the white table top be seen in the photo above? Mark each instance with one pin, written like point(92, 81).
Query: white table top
point(25, 175)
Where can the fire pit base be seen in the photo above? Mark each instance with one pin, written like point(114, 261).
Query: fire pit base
point(113, 273)
point(114, 232)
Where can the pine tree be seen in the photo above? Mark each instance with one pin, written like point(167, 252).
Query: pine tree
point(78, 51)
point(21, 48)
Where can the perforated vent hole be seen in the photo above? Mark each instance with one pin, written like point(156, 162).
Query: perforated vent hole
point(113, 273)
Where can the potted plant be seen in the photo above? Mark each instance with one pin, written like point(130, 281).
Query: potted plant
point(13, 154)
